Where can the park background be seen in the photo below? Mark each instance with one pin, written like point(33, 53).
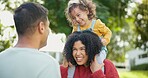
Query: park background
point(127, 19)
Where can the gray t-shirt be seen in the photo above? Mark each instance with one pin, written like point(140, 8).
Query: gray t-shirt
point(27, 63)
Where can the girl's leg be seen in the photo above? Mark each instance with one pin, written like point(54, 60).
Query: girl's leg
point(101, 57)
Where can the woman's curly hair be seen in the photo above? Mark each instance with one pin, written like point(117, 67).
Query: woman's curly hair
point(85, 5)
point(91, 41)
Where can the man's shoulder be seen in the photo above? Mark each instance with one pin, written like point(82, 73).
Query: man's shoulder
point(32, 54)
point(4, 51)
point(45, 55)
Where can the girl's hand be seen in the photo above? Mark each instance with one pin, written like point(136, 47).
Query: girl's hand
point(103, 41)
point(95, 66)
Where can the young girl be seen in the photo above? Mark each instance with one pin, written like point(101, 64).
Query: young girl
point(82, 15)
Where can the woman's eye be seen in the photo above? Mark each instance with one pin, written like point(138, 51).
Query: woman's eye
point(73, 49)
point(82, 48)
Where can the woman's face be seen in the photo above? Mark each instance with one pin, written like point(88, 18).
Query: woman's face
point(79, 53)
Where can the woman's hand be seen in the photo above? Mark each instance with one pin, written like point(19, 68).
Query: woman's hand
point(95, 66)
point(66, 63)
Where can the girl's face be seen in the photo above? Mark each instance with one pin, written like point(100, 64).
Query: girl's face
point(79, 17)
point(79, 53)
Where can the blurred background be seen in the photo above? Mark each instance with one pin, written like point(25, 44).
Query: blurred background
point(127, 19)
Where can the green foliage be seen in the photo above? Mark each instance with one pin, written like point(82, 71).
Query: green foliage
point(141, 23)
point(116, 7)
point(58, 22)
point(102, 12)
point(5, 43)
point(120, 26)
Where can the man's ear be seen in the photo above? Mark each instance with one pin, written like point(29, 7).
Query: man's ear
point(41, 27)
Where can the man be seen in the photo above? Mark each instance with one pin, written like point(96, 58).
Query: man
point(24, 60)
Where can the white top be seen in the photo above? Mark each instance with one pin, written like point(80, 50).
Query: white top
point(27, 63)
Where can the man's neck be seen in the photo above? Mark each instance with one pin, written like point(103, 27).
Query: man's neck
point(27, 42)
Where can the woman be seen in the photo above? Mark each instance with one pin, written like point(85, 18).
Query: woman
point(80, 50)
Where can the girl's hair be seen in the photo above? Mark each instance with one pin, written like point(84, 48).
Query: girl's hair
point(91, 41)
point(85, 5)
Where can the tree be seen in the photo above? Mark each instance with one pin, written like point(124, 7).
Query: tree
point(58, 21)
point(5, 42)
point(6, 39)
point(120, 26)
point(141, 23)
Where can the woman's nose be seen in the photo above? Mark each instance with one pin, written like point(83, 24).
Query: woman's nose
point(78, 52)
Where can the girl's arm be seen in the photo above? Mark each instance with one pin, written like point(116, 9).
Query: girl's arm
point(103, 30)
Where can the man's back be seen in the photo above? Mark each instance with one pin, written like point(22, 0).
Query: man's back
point(27, 63)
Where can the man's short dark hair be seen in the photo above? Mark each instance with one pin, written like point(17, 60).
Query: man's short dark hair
point(91, 41)
point(27, 16)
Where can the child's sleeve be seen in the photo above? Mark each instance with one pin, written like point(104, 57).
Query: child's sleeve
point(103, 30)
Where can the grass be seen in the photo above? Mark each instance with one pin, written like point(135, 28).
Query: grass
point(133, 74)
